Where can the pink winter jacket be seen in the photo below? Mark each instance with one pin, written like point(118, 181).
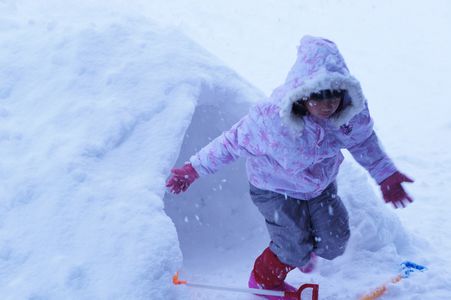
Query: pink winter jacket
point(300, 156)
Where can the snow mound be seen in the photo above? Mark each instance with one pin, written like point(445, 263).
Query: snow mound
point(92, 118)
point(374, 224)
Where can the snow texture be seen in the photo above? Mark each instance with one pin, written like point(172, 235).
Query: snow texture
point(92, 118)
point(98, 100)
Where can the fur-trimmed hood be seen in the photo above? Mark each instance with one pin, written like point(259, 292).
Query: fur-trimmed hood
point(319, 66)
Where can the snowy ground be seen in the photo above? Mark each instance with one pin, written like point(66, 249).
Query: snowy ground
point(399, 51)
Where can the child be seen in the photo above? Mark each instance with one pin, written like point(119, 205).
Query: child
point(293, 144)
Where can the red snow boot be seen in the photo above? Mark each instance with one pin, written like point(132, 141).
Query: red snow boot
point(269, 273)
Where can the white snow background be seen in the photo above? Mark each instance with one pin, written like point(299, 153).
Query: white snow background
point(99, 100)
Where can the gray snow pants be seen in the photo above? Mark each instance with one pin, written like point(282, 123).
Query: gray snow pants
point(298, 227)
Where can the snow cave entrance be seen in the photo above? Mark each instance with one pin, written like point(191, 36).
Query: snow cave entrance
point(216, 214)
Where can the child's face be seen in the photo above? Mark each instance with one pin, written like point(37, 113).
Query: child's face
point(323, 108)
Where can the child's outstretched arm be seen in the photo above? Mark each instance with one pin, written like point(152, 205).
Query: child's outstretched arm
point(240, 140)
point(367, 151)
point(243, 139)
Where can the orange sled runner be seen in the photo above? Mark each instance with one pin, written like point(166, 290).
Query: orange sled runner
point(297, 295)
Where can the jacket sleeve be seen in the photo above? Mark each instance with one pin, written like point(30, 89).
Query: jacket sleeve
point(242, 140)
point(366, 149)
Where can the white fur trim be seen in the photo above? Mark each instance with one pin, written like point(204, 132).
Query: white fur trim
point(325, 81)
